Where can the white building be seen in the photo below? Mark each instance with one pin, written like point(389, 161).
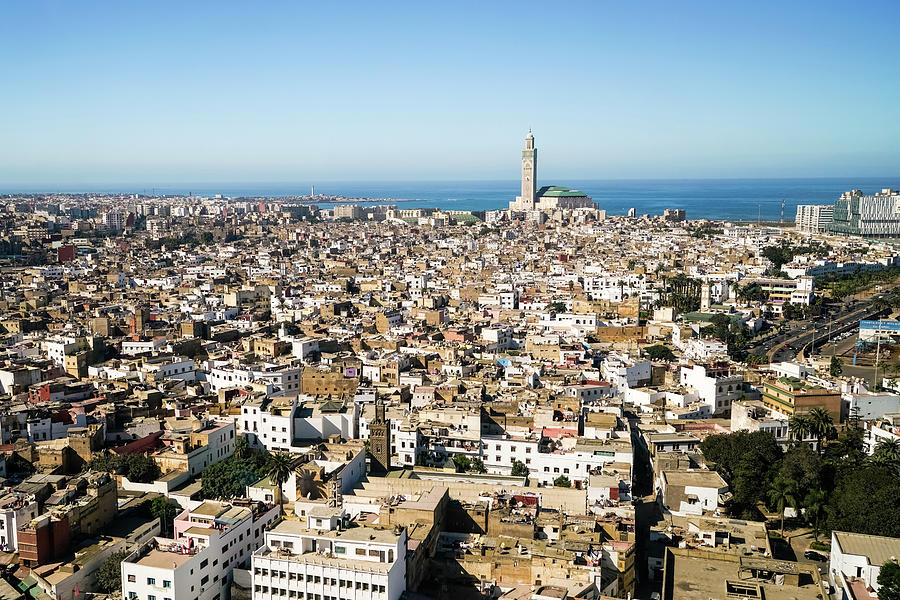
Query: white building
point(814, 218)
point(623, 372)
point(133, 347)
point(326, 560)
point(497, 338)
point(16, 509)
point(716, 387)
point(858, 558)
point(197, 563)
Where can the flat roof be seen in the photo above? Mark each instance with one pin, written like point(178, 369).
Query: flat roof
point(353, 534)
point(698, 574)
point(209, 509)
point(697, 478)
point(160, 559)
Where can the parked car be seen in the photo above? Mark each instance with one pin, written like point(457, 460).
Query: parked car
point(813, 555)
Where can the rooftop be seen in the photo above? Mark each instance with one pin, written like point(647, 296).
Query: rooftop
point(877, 549)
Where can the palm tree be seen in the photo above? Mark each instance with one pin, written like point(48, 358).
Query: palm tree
point(782, 494)
point(815, 507)
point(278, 469)
point(821, 425)
point(888, 451)
point(799, 426)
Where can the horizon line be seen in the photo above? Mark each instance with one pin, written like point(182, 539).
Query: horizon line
point(9, 189)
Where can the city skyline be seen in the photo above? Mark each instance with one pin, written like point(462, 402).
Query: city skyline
point(109, 94)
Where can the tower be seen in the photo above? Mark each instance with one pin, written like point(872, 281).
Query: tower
point(705, 299)
point(379, 442)
point(529, 172)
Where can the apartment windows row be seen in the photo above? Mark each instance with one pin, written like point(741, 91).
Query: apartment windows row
point(284, 592)
point(316, 579)
point(133, 596)
point(150, 581)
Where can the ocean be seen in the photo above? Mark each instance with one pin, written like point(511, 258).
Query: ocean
point(730, 199)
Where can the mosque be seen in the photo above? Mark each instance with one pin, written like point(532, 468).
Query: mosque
point(549, 197)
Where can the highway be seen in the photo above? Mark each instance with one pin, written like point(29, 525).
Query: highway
point(793, 337)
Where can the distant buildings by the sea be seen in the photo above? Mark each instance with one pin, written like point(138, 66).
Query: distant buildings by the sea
point(854, 213)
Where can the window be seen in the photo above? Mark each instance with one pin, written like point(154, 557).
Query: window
point(204, 563)
point(151, 581)
point(167, 583)
point(205, 580)
point(340, 550)
point(151, 597)
point(132, 595)
point(360, 551)
point(132, 579)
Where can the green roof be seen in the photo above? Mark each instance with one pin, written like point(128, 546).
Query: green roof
point(558, 191)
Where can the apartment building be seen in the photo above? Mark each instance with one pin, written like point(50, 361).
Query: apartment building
point(197, 563)
point(788, 395)
point(330, 558)
point(814, 218)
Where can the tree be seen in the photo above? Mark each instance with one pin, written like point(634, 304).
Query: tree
point(142, 468)
point(161, 508)
point(109, 575)
point(229, 478)
point(659, 352)
point(887, 453)
point(462, 463)
point(747, 461)
point(562, 481)
point(519, 469)
point(803, 465)
point(815, 509)
point(799, 426)
point(477, 466)
point(865, 500)
point(821, 425)
point(278, 469)
point(889, 581)
point(836, 367)
point(782, 493)
point(207, 237)
point(557, 307)
point(241, 448)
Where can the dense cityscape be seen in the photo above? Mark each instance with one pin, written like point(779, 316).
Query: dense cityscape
point(210, 397)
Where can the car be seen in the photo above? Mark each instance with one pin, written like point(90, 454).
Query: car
point(813, 555)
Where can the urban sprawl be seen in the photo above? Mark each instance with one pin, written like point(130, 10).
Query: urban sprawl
point(205, 398)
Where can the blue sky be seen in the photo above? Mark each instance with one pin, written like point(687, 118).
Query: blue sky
point(170, 92)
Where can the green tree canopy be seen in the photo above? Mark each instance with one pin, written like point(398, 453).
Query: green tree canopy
point(109, 575)
point(889, 581)
point(747, 460)
point(519, 469)
point(162, 508)
point(562, 481)
point(462, 463)
point(659, 352)
point(866, 500)
point(229, 478)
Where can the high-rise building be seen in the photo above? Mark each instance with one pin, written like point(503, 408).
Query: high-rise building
point(869, 216)
point(814, 218)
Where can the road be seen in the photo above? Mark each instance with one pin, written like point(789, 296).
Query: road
point(792, 338)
